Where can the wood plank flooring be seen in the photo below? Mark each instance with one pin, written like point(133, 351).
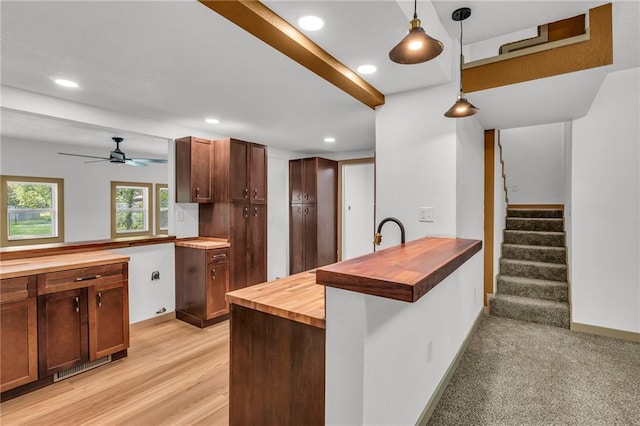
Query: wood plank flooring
point(175, 374)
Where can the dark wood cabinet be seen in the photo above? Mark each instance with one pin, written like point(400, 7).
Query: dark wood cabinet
point(202, 281)
point(194, 162)
point(18, 332)
point(313, 187)
point(239, 211)
point(108, 319)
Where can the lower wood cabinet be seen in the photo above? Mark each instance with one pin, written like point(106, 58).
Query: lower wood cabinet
point(202, 281)
point(18, 332)
point(108, 319)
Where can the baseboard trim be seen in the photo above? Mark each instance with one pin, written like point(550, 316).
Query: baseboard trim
point(435, 398)
point(536, 206)
point(607, 332)
point(152, 321)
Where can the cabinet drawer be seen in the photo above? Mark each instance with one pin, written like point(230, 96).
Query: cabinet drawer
point(218, 255)
point(18, 288)
point(81, 277)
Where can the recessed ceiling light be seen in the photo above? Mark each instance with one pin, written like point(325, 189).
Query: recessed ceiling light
point(66, 83)
point(329, 139)
point(310, 23)
point(367, 69)
point(212, 120)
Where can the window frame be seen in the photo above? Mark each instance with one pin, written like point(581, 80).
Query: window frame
point(4, 213)
point(158, 209)
point(149, 212)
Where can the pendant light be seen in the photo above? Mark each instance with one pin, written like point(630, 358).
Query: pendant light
point(417, 46)
point(462, 107)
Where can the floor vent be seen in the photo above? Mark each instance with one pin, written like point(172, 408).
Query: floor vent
point(61, 375)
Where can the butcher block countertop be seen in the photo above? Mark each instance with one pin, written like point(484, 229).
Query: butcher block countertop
point(59, 262)
point(296, 297)
point(404, 272)
point(203, 243)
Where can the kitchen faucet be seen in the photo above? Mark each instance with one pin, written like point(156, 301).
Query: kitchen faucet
point(377, 239)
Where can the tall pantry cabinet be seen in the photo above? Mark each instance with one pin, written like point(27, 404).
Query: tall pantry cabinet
point(313, 188)
point(239, 209)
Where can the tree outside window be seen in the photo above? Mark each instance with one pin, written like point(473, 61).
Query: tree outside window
point(162, 209)
point(130, 208)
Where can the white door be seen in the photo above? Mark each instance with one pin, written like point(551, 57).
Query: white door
point(357, 209)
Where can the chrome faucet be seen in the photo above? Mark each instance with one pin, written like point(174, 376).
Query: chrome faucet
point(378, 236)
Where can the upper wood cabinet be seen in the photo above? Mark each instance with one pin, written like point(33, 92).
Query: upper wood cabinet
point(239, 171)
point(18, 332)
point(303, 178)
point(194, 164)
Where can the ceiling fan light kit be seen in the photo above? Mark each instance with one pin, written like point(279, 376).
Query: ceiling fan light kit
point(118, 157)
point(461, 108)
point(417, 46)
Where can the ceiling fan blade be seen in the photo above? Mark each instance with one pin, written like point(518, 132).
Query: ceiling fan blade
point(80, 155)
point(150, 160)
point(96, 161)
point(132, 162)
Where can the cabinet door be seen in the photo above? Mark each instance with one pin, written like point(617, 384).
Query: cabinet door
point(310, 236)
point(238, 174)
point(201, 155)
point(239, 245)
point(18, 339)
point(310, 180)
point(258, 174)
point(62, 331)
point(257, 244)
point(108, 319)
point(295, 181)
point(217, 288)
point(296, 239)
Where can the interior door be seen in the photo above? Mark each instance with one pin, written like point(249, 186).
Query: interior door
point(357, 209)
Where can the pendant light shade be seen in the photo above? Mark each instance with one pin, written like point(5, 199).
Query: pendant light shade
point(417, 46)
point(462, 107)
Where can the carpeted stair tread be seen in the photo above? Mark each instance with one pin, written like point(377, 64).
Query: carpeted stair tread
point(534, 253)
point(531, 310)
point(533, 288)
point(550, 213)
point(535, 224)
point(538, 270)
point(534, 238)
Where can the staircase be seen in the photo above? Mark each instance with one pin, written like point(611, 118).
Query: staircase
point(532, 284)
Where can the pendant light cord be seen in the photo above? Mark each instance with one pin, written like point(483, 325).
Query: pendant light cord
point(415, 9)
point(461, 57)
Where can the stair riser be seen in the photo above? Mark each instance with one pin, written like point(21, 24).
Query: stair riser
point(557, 214)
point(545, 225)
point(558, 317)
point(535, 254)
point(551, 272)
point(555, 293)
point(551, 240)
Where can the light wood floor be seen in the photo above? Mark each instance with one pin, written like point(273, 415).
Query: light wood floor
point(175, 374)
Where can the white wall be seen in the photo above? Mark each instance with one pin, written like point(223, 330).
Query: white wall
point(533, 163)
point(605, 249)
point(469, 179)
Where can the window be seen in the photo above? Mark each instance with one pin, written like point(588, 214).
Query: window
point(32, 210)
point(162, 209)
point(130, 208)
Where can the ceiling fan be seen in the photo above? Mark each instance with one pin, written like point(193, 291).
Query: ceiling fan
point(118, 157)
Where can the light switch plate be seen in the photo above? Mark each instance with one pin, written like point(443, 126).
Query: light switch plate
point(425, 214)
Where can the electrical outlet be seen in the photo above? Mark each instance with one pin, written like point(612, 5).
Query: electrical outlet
point(429, 351)
point(155, 275)
point(425, 214)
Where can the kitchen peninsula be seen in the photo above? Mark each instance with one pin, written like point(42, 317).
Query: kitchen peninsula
point(281, 337)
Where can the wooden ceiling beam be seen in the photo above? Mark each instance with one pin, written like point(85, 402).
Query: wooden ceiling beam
point(257, 19)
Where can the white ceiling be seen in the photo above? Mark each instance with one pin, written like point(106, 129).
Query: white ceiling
point(179, 62)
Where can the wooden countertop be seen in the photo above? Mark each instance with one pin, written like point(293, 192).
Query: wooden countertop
point(203, 243)
point(296, 297)
point(403, 272)
point(59, 262)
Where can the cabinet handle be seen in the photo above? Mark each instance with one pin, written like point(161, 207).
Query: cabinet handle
point(245, 212)
point(299, 211)
point(306, 196)
point(306, 210)
point(213, 274)
point(255, 211)
point(255, 193)
point(246, 193)
point(77, 304)
point(88, 278)
point(218, 256)
point(298, 196)
point(99, 298)
point(197, 192)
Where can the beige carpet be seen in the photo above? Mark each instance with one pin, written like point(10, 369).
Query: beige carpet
point(519, 373)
